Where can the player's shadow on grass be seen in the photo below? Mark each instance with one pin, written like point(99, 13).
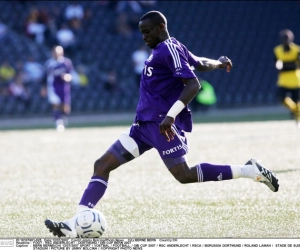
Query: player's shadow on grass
point(286, 170)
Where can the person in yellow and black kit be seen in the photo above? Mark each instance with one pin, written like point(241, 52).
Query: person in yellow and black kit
point(287, 56)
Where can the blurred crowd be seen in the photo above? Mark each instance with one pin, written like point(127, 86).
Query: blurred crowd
point(63, 26)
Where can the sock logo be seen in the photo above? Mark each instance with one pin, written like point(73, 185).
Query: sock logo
point(91, 205)
point(220, 177)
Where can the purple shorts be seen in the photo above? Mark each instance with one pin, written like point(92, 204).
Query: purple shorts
point(144, 136)
point(147, 136)
point(63, 92)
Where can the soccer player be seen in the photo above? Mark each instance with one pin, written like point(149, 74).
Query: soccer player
point(58, 77)
point(168, 84)
point(287, 57)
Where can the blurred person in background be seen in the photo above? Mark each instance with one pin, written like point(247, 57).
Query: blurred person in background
point(33, 70)
point(287, 62)
point(18, 90)
point(66, 38)
point(138, 58)
point(74, 14)
point(36, 25)
point(7, 74)
point(74, 10)
point(57, 77)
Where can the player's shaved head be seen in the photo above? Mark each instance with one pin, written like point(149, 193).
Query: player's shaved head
point(153, 27)
point(155, 16)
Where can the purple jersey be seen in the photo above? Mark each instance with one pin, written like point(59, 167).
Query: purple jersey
point(161, 83)
point(54, 70)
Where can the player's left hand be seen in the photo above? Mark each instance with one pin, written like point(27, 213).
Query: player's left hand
point(226, 63)
point(165, 128)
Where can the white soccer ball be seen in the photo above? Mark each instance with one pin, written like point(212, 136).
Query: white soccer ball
point(90, 223)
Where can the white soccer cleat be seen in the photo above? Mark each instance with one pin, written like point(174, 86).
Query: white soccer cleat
point(63, 228)
point(264, 175)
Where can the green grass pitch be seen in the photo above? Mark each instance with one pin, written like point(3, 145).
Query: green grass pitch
point(44, 173)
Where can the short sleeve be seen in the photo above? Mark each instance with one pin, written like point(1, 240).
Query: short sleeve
point(177, 60)
point(193, 60)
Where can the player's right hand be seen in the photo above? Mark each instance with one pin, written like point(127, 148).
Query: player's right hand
point(165, 128)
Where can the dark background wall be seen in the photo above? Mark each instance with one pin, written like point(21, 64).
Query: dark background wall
point(245, 31)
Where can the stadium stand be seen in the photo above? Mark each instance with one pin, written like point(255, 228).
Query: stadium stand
point(245, 31)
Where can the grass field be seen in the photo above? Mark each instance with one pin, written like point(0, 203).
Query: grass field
point(43, 175)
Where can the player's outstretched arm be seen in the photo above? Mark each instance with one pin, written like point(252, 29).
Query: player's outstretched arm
point(207, 64)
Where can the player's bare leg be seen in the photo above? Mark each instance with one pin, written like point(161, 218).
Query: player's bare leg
point(290, 104)
point(294, 108)
point(297, 115)
point(66, 110)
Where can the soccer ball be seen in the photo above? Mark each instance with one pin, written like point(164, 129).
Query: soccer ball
point(90, 223)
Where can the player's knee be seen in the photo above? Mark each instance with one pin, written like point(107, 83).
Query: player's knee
point(105, 164)
point(101, 167)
